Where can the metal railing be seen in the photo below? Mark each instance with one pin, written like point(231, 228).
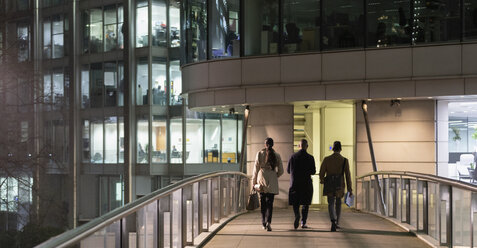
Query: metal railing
point(173, 216)
point(442, 208)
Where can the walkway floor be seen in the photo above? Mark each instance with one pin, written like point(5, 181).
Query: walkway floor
point(358, 230)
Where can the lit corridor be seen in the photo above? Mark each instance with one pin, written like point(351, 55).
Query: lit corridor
point(358, 230)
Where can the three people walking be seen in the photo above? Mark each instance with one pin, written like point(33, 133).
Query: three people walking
point(301, 166)
point(268, 167)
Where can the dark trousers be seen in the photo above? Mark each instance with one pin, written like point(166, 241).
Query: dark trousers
point(334, 208)
point(304, 212)
point(266, 205)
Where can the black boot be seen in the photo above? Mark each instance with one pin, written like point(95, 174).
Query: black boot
point(333, 226)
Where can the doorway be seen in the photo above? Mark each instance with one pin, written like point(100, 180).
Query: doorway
point(322, 123)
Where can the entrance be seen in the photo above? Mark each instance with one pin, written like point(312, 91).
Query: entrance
point(322, 123)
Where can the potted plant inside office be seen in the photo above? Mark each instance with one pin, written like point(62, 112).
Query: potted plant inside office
point(456, 132)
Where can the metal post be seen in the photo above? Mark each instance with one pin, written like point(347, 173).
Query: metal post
point(244, 138)
point(382, 205)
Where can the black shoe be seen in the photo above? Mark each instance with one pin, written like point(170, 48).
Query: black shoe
point(296, 223)
point(304, 226)
point(338, 226)
point(269, 228)
point(333, 227)
point(264, 226)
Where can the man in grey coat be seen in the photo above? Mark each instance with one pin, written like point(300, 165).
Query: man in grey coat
point(301, 166)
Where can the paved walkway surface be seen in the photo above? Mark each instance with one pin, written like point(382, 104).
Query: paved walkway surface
point(358, 230)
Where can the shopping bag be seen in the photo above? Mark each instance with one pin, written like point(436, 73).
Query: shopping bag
point(349, 199)
point(253, 203)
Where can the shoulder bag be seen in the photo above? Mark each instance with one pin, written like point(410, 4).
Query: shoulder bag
point(253, 202)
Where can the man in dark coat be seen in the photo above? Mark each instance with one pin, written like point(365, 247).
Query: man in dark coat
point(301, 166)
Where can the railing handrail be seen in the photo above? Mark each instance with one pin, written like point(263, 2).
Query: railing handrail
point(449, 181)
point(75, 235)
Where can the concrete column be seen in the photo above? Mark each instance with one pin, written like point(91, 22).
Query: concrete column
point(276, 122)
point(404, 137)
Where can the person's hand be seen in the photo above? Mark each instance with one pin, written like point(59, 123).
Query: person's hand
point(350, 193)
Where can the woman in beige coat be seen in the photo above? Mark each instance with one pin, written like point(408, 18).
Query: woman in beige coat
point(268, 167)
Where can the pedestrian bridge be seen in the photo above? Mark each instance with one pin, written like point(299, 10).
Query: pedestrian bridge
point(392, 209)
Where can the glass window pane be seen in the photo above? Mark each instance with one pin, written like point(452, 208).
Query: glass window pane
point(111, 140)
point(343, 22)
point(388, 23)
point(142, 139)
point(159, 81)
point(96, 30)
point(142, 16)
point(57, 24)
point(159, 140)
point(176, 140)
point(194, 141)
point(58, 87)
point(229, 139)
point(121, 140)
point(176, 82)
point(47, 88)
point(86, 31)
point(159, 23)
point(115, 196)
point(175, 23)
point(224, 29)
point(110, 37)
point(47, 39)
point(212, 140)
point(104, 195)
point(436, 21)
point(142, 82)
point(97, 141)
point(23, 35)
point(470, 19)
point(85, 86)
point(110, 84)
point(86, 142)
point(261, 25)
point(121, 84)
point(120, 27)
point(197, 31)
point(96, 85)
point(301, 25)
point(58, 44)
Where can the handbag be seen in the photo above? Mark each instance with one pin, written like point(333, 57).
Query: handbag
point(253, 202)
point(333, 182)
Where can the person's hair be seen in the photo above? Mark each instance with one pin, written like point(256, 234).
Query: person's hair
point(271, 158)
point(303, 142)
point(336, 146)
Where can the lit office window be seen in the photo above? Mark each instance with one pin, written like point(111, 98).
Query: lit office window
point(212, 139)
point(86, 142)
point(110, 84)
point(47, 38)
point(142, 82)
point(159, 140)
point(176, 82)
point(301, 25)
point(58, 87)
point(57, 31)
point(470, 19)
point(110, 28)
point(85, 86)
point(229, 139)
point(121, 83)
point(121, 139)
point(388, 23)
point(176, 140)
point(95, 23)
point(175, 23)
point(121, 27)
point(142, 140)
point(261, 24)
point(436, 21)
point(23, 36)
point(111, 140)
point(96, 85)
point(342, 24)
point(194, 140)
point(240, 133)
point(224, 29)
point(159, 23)
point(142, 17)
point(47, 87)
point(97, 137)
point(159, 81)
point(197, 30)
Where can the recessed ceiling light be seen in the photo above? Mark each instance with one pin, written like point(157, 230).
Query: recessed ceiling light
point(399, 98)
point(369, 99)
